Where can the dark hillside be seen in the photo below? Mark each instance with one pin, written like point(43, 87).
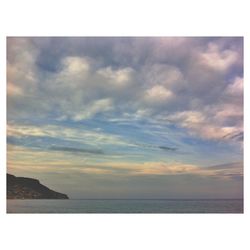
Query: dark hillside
point(28, 188)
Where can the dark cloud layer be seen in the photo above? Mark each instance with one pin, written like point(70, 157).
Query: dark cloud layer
point(77, 150)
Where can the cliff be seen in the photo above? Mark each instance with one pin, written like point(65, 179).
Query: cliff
point(28, 188)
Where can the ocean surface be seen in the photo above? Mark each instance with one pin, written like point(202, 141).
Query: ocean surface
point(125, 206)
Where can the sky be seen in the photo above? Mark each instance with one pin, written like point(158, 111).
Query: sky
point(127, 117)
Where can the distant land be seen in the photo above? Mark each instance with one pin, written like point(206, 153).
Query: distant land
point(28, 188)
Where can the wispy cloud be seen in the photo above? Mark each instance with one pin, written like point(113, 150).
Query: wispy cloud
point(82, 134)
point(77, 150)
point(41, 161)
point(145, 145)
point(235, 136)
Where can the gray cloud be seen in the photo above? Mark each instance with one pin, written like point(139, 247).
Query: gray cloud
point(233, 165)
point(77, 150)
point(67, 78)
point(234, 136)
point(167, 148)
point(233, 171)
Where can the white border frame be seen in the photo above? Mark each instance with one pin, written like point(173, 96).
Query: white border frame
point(123, 18)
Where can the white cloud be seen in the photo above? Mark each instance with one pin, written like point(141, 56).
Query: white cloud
point(225, 171)
point(218, 59)
point(99, 106)
point(226, 111)
point(203, 124)
point(13, 90)
point(119, 76)
point(21, 70)
point(158, 93)
point(90, 137)
point(162, 168)
point(75, 65)
point(188, 117)
point(235, 88)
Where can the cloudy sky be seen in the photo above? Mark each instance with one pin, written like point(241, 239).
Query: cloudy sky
point(127, 117)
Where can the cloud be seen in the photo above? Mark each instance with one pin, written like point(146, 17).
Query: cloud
point(193, 83)
point(167, 148)
point(161, 168)
point(119, 76)
point(164, 148)
point(158, 93)
point(21, 157)
point(63, 138)
point(224, 171)
point(218, 59)
point(227, 171)
point(13, 90)
point(197, 123)
point(99, 106)
point(236, 136)
point(77, 150)
point(236, 87)
point(231, 170)
point(75, 65)
point(87, 136)
point(162, 74)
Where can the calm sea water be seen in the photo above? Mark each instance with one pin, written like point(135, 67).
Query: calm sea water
point(124, 206)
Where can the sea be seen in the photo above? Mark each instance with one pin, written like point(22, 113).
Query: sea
point(126, 206)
